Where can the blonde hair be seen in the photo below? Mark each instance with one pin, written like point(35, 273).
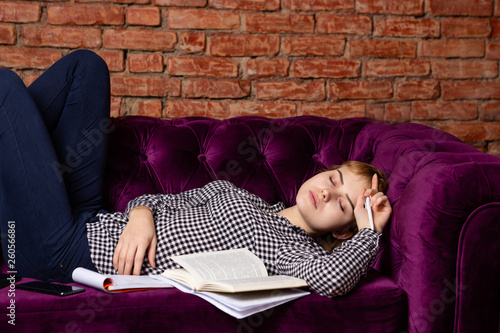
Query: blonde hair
point(365, 170)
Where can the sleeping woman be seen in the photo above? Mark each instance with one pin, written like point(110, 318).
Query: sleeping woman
point(51, 176)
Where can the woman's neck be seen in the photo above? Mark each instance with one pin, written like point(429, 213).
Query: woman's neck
point(292, 214)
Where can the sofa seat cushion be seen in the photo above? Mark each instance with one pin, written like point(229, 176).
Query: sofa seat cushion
point(375, 305)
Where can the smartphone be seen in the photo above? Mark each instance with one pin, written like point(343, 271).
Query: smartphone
point(50, 288)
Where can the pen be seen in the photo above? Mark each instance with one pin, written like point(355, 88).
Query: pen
point(370, 215)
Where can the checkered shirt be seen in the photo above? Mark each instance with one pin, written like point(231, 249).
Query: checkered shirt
point(220, 216)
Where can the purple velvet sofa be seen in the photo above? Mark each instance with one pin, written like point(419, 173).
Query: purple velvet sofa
point(438, 270)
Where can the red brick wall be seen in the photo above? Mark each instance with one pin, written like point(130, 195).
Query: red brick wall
point(428, 61)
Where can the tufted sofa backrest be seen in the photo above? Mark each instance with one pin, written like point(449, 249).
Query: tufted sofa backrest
point(268, 157)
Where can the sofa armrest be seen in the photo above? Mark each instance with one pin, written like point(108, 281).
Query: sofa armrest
point(427, 226)
point(478, 272)
point(435, 183)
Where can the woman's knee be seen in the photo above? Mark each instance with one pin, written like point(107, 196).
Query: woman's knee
point(91, 61)
point(9, 79)
point(10, 83)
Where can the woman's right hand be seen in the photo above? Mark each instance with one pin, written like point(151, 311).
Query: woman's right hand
point(138, 237)
point(380, 205)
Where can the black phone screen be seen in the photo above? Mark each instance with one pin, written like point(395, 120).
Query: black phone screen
point(50, 288)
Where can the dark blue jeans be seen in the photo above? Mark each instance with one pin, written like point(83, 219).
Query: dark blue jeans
point(53, 138)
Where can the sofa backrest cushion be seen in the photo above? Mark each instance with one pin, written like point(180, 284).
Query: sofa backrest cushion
point(268, 157)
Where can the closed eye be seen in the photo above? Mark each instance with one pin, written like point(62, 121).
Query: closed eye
point(332, 181)
point(335, 185)
point(347, 196)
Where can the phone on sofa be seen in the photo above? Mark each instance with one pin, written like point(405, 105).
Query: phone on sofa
point(50, 288)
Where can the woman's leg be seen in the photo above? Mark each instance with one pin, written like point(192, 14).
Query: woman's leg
point(47, 199)
point(73, 99)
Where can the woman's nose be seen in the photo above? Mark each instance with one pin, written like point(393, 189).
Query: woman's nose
point(325, 195)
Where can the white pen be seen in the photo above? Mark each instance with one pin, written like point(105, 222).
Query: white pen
point(370, 215)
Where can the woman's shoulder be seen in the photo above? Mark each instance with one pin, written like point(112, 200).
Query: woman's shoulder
point(230, 190)
point(219, 186)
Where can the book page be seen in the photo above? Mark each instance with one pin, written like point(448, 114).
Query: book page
point(222, 265)
point(116, 282)
point(89, 278)
point(253, 284)
point(119, 282)
point(278, 280)
point(245, 304)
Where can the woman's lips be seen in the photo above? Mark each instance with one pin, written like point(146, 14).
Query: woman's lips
point(313, 199)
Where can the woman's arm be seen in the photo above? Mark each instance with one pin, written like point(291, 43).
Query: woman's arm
point(337, 273)
point(328, 274)
point(186, 199)
point(138, 237)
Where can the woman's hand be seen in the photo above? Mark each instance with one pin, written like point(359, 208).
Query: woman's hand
point(380, 205)
point(138, 237)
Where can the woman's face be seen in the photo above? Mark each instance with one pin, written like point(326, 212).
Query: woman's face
point(326, 201)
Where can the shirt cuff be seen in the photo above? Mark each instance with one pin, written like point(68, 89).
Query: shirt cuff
point(371, 236)
point(140, 201)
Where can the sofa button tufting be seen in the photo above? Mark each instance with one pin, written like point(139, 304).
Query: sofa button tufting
point(202, 157)
point(315, 157)
point(143, 157)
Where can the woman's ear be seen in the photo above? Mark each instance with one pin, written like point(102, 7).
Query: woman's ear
point(343, 234)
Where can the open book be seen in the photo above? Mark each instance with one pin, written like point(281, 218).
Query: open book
point(117, 283)
point(228, 271)
point(235, 281)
